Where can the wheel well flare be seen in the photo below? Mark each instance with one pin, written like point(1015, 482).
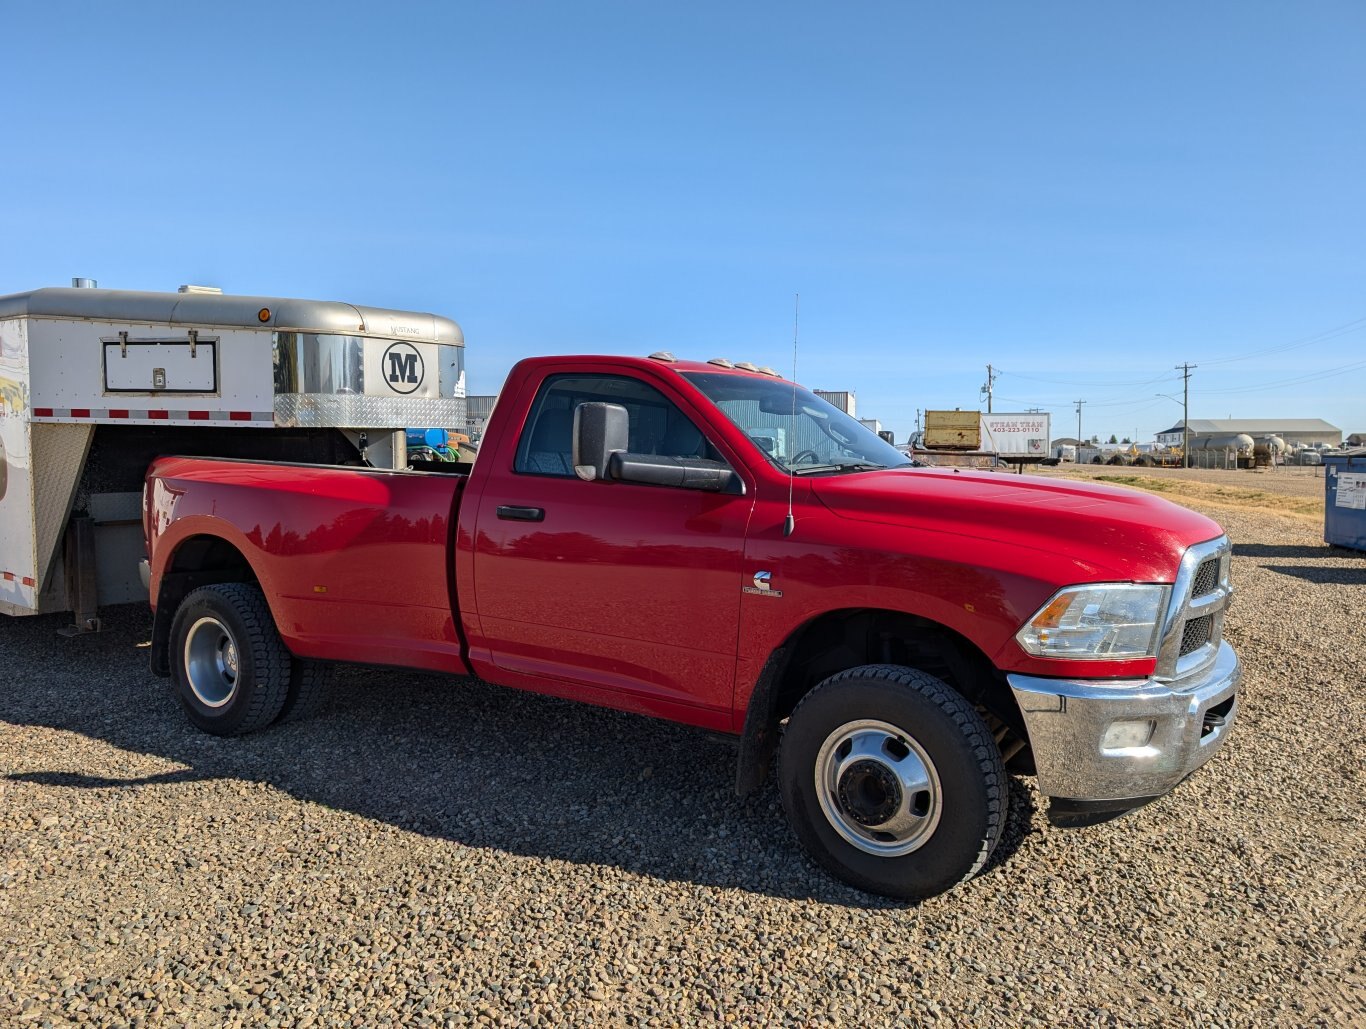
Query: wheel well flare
point(197, 561)
point(844, 639)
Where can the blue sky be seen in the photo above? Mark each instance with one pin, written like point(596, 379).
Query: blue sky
point(1083, 195)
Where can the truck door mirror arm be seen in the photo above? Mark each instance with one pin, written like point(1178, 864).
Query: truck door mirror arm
point(601, 431)
point(685, 472)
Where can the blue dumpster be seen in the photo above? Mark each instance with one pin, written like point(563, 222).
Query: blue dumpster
point(1344, 499)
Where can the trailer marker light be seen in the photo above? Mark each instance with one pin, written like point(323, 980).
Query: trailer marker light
point(263, 315)
point(319, 589)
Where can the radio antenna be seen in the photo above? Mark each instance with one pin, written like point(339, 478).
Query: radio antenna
point(790, 523)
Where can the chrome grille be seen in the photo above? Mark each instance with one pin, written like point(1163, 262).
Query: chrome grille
point(1206, 578)
point(1194, 623)
point(1196, 634)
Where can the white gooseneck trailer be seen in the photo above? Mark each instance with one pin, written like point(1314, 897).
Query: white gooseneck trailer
point(94, 383)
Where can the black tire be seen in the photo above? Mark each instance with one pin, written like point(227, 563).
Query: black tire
point(904, 721)
point(310, 686)
point(230, 670)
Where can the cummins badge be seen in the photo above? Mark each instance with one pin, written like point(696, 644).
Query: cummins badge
point(763, 585)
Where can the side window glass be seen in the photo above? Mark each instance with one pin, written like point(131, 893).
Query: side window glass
point(657, 425)
point(547, 444)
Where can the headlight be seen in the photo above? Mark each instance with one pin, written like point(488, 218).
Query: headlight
point(1107, 622)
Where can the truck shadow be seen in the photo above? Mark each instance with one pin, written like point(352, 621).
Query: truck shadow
point(450, 758)
point(1330, 576)
point(1290, 550)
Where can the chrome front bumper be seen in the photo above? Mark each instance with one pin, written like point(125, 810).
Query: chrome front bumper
point(1068, 721)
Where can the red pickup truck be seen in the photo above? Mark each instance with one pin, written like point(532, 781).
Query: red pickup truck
point(712, 544)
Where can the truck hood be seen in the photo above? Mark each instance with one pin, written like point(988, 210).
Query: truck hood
point(1108, 532)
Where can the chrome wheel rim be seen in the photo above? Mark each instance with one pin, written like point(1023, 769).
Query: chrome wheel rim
point(211, 662)
point(878, 788)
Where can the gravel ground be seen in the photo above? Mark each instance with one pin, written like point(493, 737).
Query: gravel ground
point(437, 852)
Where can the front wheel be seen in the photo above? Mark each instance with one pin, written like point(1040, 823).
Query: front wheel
point(892, 781)
point(230, 670)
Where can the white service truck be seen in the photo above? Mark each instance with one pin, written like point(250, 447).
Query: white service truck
point(94, 383)
point(1020, 438)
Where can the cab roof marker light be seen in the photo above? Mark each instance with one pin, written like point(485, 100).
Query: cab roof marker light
point(769, 371)
point(721, 362)
point(663, 355)
point(748, 366)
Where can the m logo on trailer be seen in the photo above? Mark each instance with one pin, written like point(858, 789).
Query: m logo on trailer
point(409, 369)
point(403, 367)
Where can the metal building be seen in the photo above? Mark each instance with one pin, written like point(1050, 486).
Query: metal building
point(842, 399)
point(477, 411)
point(1294, 431)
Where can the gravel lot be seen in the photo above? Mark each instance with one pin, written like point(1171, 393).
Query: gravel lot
point(438, 852)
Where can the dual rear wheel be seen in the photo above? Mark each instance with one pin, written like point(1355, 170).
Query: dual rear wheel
point(232, 673)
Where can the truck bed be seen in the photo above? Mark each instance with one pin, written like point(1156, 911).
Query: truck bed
point(356, 562)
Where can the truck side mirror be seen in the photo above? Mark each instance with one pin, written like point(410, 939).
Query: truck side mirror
point(600, 430)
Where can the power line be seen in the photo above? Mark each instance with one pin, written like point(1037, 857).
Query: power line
point(1346, 328)
point(1145, 402)
point(1312, 377)
point(1078, 382)
point(1035, 401)
point(1319, 337)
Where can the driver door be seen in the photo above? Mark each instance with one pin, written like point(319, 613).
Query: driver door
point(625, 587)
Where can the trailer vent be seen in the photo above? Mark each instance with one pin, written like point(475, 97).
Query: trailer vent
point(213, 290)
point(84, 284)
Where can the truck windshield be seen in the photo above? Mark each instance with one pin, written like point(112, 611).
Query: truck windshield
point(797, 430)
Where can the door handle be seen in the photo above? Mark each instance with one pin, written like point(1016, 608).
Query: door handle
point(512, 513)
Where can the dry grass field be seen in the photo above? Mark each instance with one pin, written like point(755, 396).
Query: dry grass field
point(1291, 491)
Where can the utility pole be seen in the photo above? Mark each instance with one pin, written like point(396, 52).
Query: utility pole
point(991, 379)
point(1079, 403)
point(1185, 370)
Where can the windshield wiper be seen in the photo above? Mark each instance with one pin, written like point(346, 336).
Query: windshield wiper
point(838, 469)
